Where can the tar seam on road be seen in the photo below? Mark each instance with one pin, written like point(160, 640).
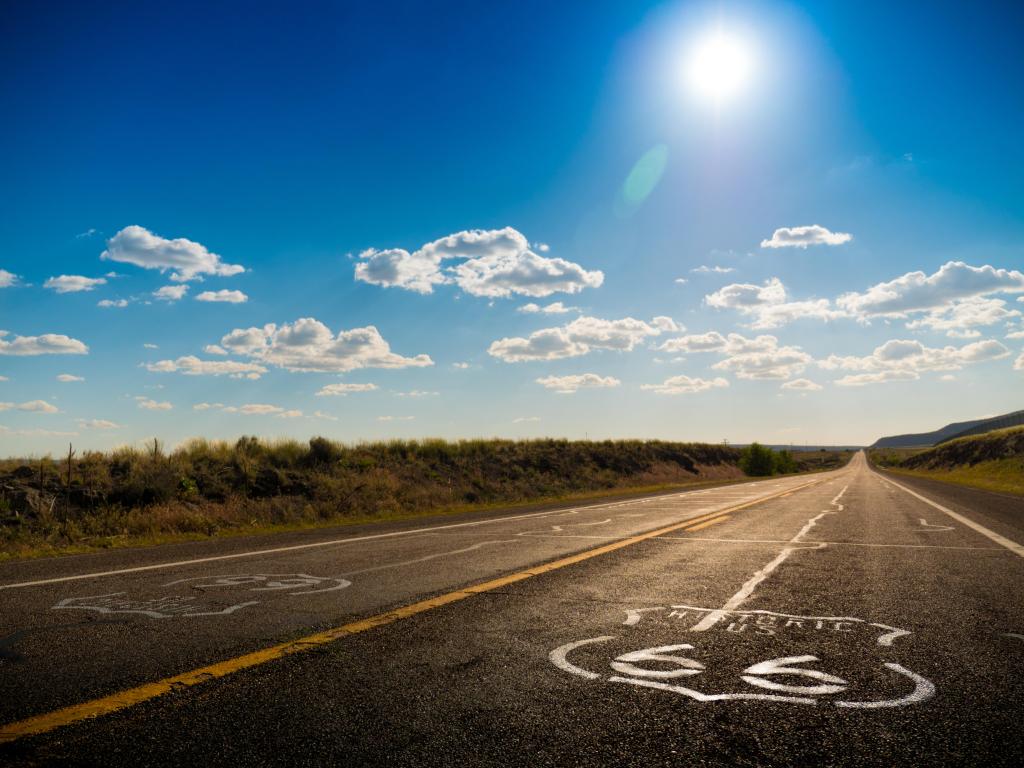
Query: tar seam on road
point(350, 540)
point(39, 724)
point(1013, 546)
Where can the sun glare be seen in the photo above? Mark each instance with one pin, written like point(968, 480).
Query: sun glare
point(718, 67)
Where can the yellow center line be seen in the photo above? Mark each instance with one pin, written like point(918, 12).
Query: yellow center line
point(707, 523)
point(33, 726)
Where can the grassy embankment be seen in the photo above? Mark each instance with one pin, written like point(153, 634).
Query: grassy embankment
point(134, 497)
point(993, 461)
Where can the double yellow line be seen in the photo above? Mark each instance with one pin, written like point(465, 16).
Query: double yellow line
point(33, 726)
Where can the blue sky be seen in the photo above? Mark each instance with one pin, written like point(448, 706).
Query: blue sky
point(288, 220)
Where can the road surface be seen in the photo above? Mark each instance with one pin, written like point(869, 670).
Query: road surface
point(845, 618)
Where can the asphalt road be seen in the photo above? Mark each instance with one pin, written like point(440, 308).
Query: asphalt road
point(836, 619)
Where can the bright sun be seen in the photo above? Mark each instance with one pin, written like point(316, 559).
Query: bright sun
point(718, 67)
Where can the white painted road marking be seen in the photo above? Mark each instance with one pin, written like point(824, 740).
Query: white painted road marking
point(934, 528)
point(748, 588)
point(1013, 546)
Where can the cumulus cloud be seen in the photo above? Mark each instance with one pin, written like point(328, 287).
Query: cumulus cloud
point(492, 263)
point(802, 385)
point(112, 303)
point(568, 385)
point(170, 292)
point(223, 295)
point(581, 336)
point(97, 424)
point(918, 292)
point(186, 259)
point(685, 385)
point(214, 349)
point(907, 359)
point(309, 345)
point(73, 283)
point(555, 308)
point(67, 378)
point(760, 357)
point(767, 304)
point(344, 388)
point(7, 279)
point(802, 237)
point(190, 365)
point(47, 344)
point(958, 319)
point(32, 406)
point(1018, 364)
point(148, 404)
point(263, 409)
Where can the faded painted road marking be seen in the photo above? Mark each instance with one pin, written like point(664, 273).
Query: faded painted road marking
point(355, 539)
point(427, 558)
point(748, 588)
point(934, 528)
point(1013, 546)
point(123, 699)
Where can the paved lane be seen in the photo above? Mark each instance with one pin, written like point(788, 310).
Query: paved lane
point(848, 623)
point(73, 629)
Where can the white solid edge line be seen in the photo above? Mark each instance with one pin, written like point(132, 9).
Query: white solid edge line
point(997, 538)
point(333, 542)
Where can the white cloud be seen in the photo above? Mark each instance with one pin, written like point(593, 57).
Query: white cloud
point(35, 432)
point(906, 359)
point(323, 415)
point(417, 393)
point(777, 363)
point(525, 419)
point(47, 344)
point(685, 385)
point(4, 378)
point(492, 263)
point(309, 345)
point(152, 405)
point(7, 279)
point(214, 349)
point(32, 406)
point(87, 233)
point(206, 406)
point(190, 365)
point(681, 280)
point(744, 296)
point(97, 424)
point(767, 304)
point(1018, 364)
point(802, 385)
point(223, 295)
point(1015, 335)
point(568, 385)
point(395, 418)
point(188, 260)
point(67, 378)
point(112, 303)
point(344, 388)
point(863, 379)
point(947, 377)
point(460, 366)
point(704, 269)
point(73, 283)
point(262, 409)
point(170, 292)
point(917, 292)
point(801, 237)
point(555, 308)
point(959, 317)
point(150, 346)
point(582, 335)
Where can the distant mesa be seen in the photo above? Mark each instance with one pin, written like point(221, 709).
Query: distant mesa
point(951, 432)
